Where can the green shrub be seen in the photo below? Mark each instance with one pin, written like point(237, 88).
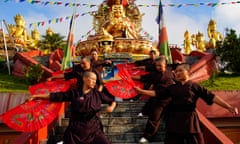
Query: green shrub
point(229, 51)
point(33, 74)
point(2, 62)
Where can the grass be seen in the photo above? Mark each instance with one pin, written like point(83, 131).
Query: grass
point(223, 81)
point(10, 83)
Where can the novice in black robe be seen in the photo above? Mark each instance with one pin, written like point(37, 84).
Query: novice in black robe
point(84, 125)
point(182, 124)
point(160, 79)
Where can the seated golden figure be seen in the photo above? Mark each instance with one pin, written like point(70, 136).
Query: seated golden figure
point(119, 26)
point(19, 30)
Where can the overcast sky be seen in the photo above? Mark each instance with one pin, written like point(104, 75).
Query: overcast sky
point(177, 19)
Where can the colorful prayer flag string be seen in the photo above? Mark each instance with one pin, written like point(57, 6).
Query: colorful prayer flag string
point(57, 20)
point(70, 4)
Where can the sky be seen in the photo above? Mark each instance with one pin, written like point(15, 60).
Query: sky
point(178, 18)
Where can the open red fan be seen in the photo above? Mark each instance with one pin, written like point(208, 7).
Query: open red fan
point(33, 115)
point(52, 86)
point(123, 88)
point(131, 68)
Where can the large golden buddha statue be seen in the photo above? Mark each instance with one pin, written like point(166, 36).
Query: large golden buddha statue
point(18, 31)
point(118, 25)
point(213, 34)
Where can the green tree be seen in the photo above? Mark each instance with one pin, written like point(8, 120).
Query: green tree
point(52, 42)
point(229, 51)
point(33, 73)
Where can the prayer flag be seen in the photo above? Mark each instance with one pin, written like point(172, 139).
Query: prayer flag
point(163, 37)
point(67, 58)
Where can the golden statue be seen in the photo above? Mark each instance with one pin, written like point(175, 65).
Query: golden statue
point(213, 34)
point(133, 13)
point(100, 16)
point(34, 40)
point(19, 30)
point(200, 42)
point(49, 31)
point(105, 41)
point(119, 26)
point(187, 42)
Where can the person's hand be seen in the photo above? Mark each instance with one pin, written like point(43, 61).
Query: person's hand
point(134, 68)
point(109, 109)
point(138, 89)
point(108, 61)
point(139, 67)
point(233, 110)
point(33, 97)
point(49, 79)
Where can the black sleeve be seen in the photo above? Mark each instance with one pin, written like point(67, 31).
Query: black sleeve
point(204, 93)
point(150, 68)
point(106, 96)
point(140, 62)
point(99, 78)
point(73, 74)
point(147, 78)
point(62, 96)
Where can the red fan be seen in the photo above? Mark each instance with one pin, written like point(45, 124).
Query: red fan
point(33, 115)
point(123, 88)
point(52, 86)
point(130, 67)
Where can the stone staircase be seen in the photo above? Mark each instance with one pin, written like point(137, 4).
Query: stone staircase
point(121, 127)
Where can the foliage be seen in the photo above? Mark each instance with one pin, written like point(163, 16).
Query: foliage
point(33, 74)
point(229, 51)
point(52, 42)
point(1, 62)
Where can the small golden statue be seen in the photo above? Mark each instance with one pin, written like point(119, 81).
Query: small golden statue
point(200, 42)
point(213, 34)
point(34, 40)
point(187, 42)
point(49, 31)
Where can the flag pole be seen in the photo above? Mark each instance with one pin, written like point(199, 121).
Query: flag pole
point(68, 49)
point(6, 50)
point(163, 37)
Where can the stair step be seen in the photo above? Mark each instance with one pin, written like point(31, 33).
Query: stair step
point(114, 120)
point(121, 126)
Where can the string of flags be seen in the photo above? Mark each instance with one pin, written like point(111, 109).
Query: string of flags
point(58, 20)
point(86, 35)
point(147, 35)
point(178, 5)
